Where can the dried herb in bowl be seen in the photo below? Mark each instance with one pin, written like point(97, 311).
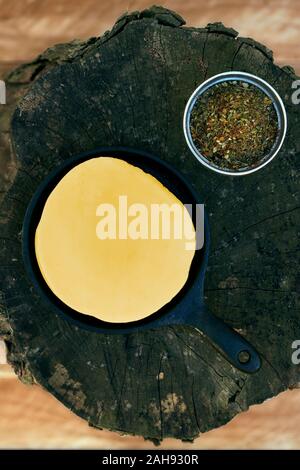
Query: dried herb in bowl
point(234, 125)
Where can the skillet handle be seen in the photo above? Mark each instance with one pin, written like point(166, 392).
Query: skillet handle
point(233, 346)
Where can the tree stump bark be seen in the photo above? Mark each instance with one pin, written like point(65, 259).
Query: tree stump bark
point(129, 87)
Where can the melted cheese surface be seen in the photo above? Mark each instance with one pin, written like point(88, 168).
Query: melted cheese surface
point(114, 280)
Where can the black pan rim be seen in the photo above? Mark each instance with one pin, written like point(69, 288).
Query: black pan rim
point(34, 212)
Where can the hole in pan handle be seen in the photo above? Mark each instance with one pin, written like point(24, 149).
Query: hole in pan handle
point(235, 348)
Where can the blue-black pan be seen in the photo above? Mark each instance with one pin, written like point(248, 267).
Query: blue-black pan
point(186, 308)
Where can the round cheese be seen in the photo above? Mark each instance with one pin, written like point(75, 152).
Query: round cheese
point(103, 245)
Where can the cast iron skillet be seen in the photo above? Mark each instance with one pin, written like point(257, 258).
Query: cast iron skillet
point(186, 308)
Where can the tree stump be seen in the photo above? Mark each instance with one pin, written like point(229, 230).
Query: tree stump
point(129, 87)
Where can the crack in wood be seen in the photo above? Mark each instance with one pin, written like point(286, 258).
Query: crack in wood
point(248, 227)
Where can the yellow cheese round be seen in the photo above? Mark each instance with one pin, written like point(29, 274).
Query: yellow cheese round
point(112, 279)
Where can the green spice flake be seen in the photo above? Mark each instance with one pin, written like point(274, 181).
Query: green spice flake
point(234, 125)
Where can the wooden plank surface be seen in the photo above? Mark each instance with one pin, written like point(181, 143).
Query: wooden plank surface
point(2, 353)
point(31, 418)
point(29, 26)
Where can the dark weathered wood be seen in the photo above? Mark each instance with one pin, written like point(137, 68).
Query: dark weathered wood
point(130, 87)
